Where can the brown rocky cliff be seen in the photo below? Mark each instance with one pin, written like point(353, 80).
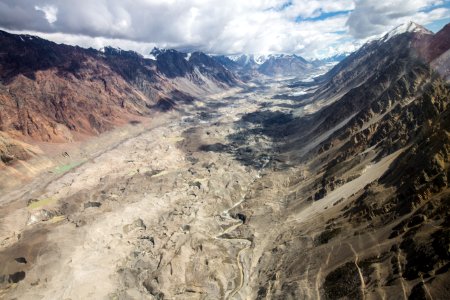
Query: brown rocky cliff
point(49, 92)
point(91, 102)
point(431, 47)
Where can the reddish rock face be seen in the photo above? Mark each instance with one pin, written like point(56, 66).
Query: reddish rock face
point(52, 92)
point(431, 47)
point(59, 93)
point(51, 105)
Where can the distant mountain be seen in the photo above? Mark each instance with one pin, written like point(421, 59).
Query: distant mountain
point(284, 65)
point(334, 59)
point(173, 63)
point(214, 68)
point(244, 59)
point(371, 58)
point(243, 62)
point(269, 65)
point(228, 62)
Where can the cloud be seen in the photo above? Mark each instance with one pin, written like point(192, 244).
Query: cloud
point(234, 26)
point(372, 17)
point(312, 9)
point(49, 11)
point(311, 28)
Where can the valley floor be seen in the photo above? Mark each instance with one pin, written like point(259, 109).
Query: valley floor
point(190, 205)
point(140, 211)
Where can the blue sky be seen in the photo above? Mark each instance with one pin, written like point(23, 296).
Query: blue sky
point(323, 16)
point(311, 28)
point(435, 26)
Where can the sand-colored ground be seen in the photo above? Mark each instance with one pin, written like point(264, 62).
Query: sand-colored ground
point(190, 204)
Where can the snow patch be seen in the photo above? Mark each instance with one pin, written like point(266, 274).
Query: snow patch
point(406, 27)
point(150, 56)
point(234, 57)
point(260, 59)
point(299, 92)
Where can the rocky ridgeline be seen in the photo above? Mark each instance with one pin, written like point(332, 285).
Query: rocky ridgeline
point(391, 237)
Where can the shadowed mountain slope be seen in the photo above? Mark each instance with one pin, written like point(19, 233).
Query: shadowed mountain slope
point(370, 205)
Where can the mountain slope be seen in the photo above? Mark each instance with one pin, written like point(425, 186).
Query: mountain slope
point(370, 60)
point(60, 93)
point(369, 202)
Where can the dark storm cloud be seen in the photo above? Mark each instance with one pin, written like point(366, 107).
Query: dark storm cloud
point(22, 15)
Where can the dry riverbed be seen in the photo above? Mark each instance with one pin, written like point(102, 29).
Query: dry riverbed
point(196, 203)
point(146, 211)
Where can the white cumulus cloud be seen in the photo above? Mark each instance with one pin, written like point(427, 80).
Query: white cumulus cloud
point(372, 17)
point(49, 11)
point(312, 28)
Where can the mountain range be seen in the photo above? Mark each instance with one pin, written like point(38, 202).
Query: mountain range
point(59, 93)
point(255, 186)
point(283, 65)
point(47, 88)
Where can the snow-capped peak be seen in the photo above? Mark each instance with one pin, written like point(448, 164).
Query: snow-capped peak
point(258, 59)
point(156, 51)
point(405, 27)
point(234, 57)
point(110, 49)
point(242, 58)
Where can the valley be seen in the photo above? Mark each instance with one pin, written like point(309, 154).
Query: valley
point(163, 195)
point(179, 178)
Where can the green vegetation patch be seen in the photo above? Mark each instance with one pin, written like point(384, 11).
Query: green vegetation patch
point(35, 203)
point(64, 168)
